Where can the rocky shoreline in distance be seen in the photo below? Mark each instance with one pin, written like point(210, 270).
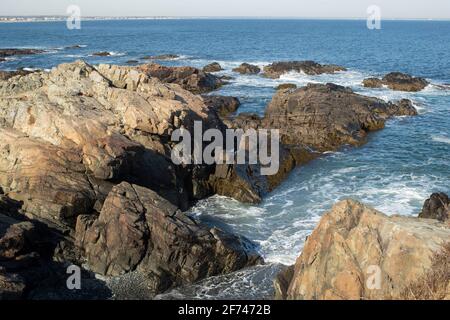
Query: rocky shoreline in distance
point(85, 167)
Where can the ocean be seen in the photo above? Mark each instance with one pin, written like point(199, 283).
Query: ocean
point(394, 172)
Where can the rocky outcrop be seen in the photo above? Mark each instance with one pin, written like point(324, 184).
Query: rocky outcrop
point(84, 128)
point(326, 117)
point(18, 52)
point(397, 81)
point(191, 79)
point(247, 68)
point(436, 207)
point(276, 69)
point(223, 105)
point(137, 229)
point(212, 67)
point(357, 252)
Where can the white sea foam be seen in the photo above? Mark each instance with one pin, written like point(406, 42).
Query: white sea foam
point(442, 139)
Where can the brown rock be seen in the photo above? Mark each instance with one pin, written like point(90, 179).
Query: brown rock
point(223, 105)
point(397, 81)
point(357, 252)
point(212, 67)
point(286, 86)
point(373, 83)
point(326, 117)
point(189, 78)
point(436, 207)
point(19, 52)
point(247, 68)
point(276, 69)
point(12, 286)
point(137, 229)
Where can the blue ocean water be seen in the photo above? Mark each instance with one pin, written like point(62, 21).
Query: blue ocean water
point(395, 171)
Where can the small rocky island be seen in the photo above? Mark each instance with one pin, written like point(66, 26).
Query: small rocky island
point(86, 178)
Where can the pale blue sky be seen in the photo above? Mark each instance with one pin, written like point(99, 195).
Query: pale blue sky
point(408, 9)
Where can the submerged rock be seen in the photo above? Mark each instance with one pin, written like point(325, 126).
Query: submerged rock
point(137, 229)
point(162, 57)
point(212, 67)
point(397, 81)
point(247, 68)
point(191, 79)
point(276, 69)
point(357, 253)
point(102, 54)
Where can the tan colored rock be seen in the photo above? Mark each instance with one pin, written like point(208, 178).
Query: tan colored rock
point(354, 245)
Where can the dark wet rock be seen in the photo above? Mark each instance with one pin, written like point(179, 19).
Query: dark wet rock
point(102, 54)
point(223, 105)
point(77, 46)
point(18, 52)
point(162, 57)
point(247, 68)
point(398, 81)
point(436, 207)
point(191, 79)
point(137, 229)
point(12, 286)
point(325, 117)
point(2, 59)
point(286, 86)
point(132, 62)
point(212, 67)
point(276, 69)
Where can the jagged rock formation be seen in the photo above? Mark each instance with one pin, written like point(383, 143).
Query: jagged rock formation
point(191, 79)
point(325, 117)
point(276, 69)
point(223, 105)
point(137, 229)
point(357, 252)
point(397, 81)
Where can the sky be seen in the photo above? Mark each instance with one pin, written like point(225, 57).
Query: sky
point(390, 9)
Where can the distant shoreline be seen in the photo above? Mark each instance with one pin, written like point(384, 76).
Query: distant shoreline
point(26, 19)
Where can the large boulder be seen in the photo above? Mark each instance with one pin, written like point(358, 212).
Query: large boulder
point(190, 78)
point(276, 69)
point(326, 117)
point(137, 229)
point(436, 207)
point(212, 67)
point(397, 81)
point(357, 252)
point(223, 105)
point(247, 68)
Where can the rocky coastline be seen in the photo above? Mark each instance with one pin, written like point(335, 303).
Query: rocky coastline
point(85, 168)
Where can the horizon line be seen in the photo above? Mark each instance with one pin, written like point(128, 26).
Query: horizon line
point(221, 17)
